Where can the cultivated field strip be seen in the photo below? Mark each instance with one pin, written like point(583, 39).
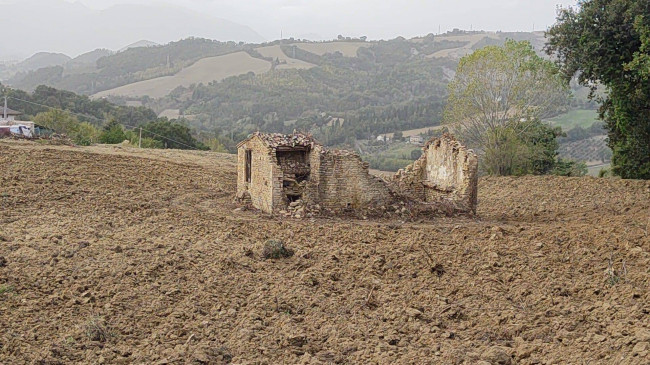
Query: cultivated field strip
point(118, 255)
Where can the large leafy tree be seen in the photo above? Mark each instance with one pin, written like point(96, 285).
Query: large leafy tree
point(608, 42)
point(81, 133)
point(496, 99)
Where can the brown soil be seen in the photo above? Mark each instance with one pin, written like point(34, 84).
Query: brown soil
point(114, 255)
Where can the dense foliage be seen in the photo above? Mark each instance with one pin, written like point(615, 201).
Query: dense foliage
point(501, 87)
point(171, 135)
point(112, 133)
point(526, 148)
point(81, 133)
point(608, 42)
point(86, 109)
point(79, 117)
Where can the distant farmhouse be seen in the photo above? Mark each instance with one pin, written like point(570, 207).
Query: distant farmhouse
point(8, 115)
point(277, 172)
point(416, 139)
point(10, 126)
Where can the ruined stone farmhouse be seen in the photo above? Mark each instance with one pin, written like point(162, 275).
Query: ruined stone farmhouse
point(276, 172)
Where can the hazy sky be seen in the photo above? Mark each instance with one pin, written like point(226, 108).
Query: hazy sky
point(374, 18)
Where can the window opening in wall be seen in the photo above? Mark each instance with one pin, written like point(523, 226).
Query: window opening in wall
point(249, 158)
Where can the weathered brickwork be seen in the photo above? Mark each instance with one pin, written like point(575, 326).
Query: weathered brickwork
point(277, 164)
point(278, 172)
point(260, 188)
point(446, 170)
point(341, 181)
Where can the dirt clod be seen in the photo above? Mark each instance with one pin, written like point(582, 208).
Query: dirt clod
point(95, 329)
point(275, 249)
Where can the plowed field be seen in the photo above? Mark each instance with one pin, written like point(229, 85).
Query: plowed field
point(120, 256)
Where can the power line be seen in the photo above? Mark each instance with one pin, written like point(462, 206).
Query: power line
point(104, 120)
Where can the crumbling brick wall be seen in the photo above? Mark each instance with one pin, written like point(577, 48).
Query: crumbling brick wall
point(446, 171)
point(340, 181)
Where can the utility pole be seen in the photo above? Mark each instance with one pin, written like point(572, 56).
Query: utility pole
point(4, 114)
point(140, 139)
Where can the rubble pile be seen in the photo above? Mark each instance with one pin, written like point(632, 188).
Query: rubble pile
point(298, 209)
point(275, 140)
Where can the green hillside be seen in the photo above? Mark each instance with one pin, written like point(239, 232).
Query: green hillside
point(575, 118)
point(370, 88)
point(122, 68)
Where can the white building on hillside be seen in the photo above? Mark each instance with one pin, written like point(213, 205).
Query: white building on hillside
point(12, 126)
point(7, 114)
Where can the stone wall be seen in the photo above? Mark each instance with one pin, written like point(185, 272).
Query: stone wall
point(260, 189)
point(446, 171)
point(340, 181)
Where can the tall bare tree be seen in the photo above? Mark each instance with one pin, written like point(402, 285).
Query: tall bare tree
point(498, 89)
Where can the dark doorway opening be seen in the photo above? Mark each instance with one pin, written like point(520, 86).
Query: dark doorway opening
point(249, 158)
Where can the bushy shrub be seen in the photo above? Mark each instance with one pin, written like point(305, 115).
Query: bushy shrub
point(85, 134)
point(112, 133)
point(569, 168)
point(134, 139)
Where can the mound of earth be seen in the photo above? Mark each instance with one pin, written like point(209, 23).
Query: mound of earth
point(118, 255)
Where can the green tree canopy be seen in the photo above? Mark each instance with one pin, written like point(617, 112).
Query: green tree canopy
point(112, 133)
point(608, 42)
point(57, 120)
point(502, 87)
point(62, 122)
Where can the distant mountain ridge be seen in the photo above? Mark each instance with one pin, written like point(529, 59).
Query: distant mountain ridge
point(142, 43)
point(42, 59)
point(89, 58)
point(111, 28)
point(144, 60)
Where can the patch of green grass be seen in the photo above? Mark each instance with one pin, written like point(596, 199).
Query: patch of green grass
point(6, 289)
point(581, 117)
point(595, 170)
point(400, 151)
point(397, 156)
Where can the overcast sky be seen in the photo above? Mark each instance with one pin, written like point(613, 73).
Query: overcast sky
point(373, 18)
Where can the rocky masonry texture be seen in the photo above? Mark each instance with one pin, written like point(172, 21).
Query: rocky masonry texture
point(341, 181)
point(277, 172)
point(446, 171)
